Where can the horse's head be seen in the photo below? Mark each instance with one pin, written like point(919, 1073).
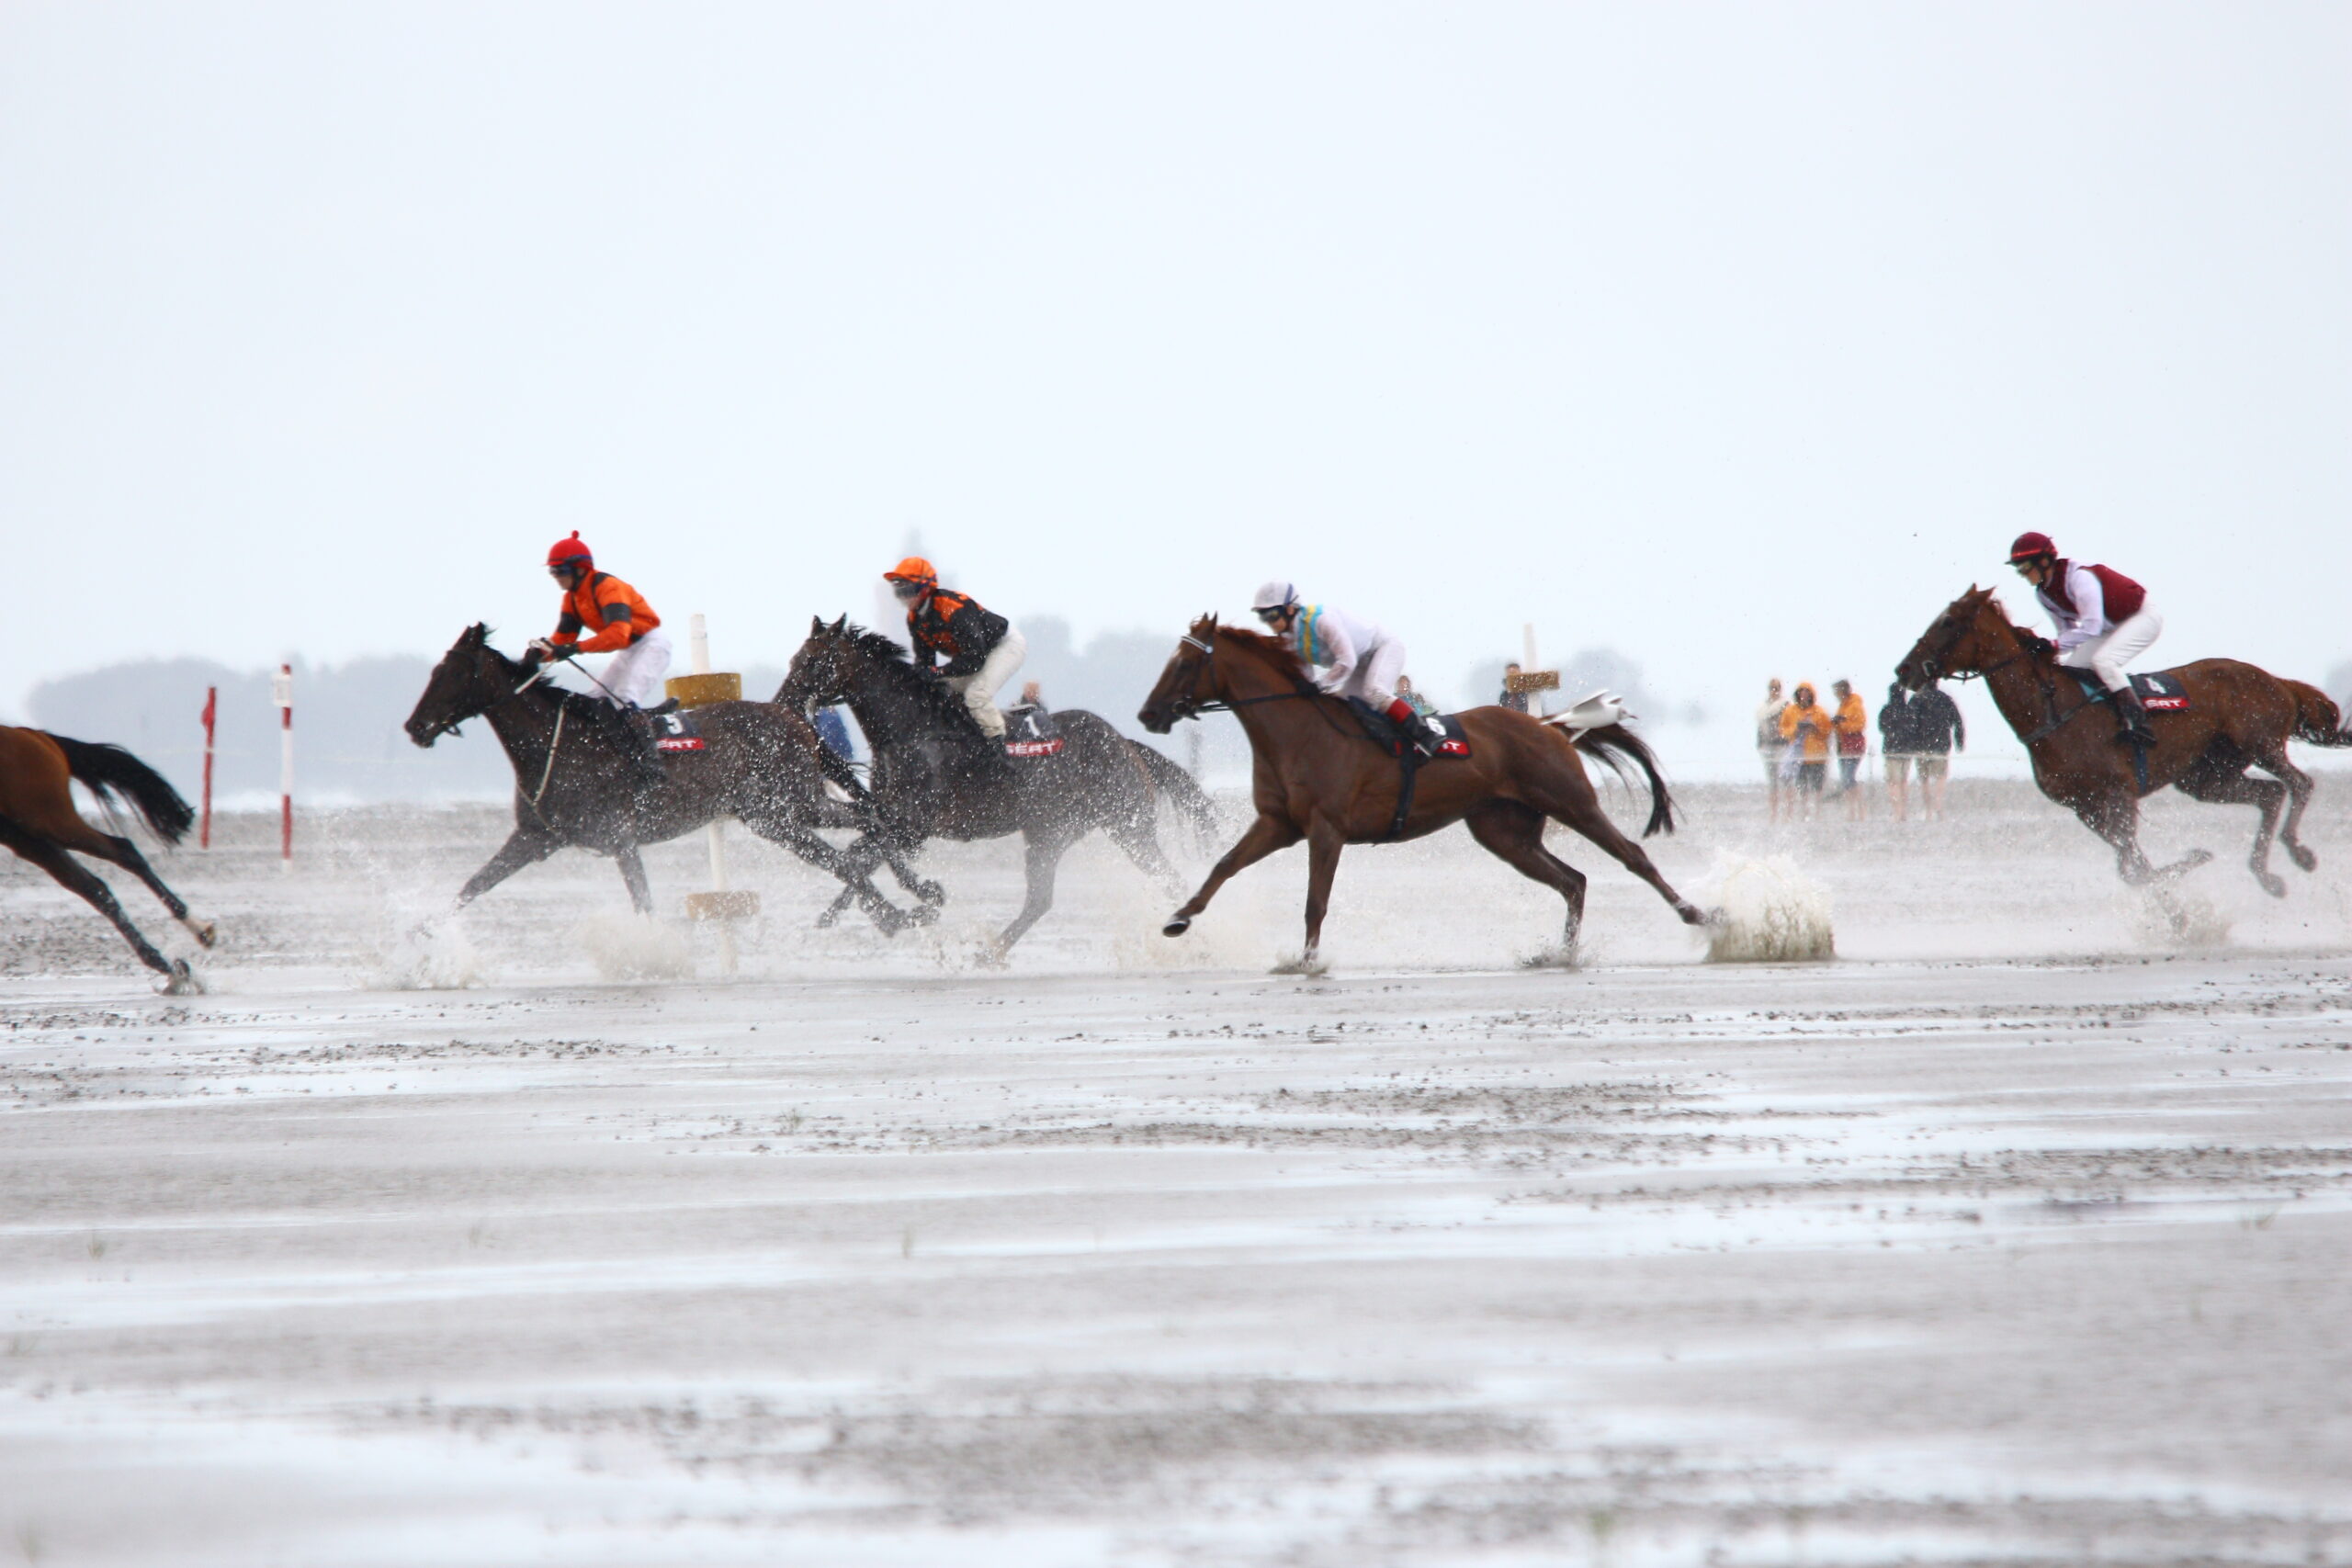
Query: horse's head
point(1188, 682)
point(470, 677)
point(1969, 637)
point(819, 673)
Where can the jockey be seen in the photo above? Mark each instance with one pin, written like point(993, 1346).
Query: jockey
point(1357, 659)
point(624, 624)
point(982, 648)
point(2102, 619)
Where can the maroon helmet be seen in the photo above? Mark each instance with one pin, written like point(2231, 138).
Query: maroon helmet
point(2027, 546)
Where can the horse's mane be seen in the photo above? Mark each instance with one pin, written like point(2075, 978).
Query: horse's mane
point(897, 662)
point(1273, 649)
point(580, 705)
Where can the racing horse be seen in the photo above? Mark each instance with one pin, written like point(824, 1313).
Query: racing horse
point(1315, 776)
point(2238, 716)
point(576, 782)
point(935, 775)
point(38, 821)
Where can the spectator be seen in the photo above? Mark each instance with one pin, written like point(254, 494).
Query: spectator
point(1851, 725)
point(1031, 696)
point(1769, 748)
point(1936, 730)
point(1898, 744)
point(832, 731)
point(1512, 697)
point(1413, 699)
point(1805, 728)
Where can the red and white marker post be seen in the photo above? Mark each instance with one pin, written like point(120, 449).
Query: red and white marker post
point(282, 690)
point(211, 713)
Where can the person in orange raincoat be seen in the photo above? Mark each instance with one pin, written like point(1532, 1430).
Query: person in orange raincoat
point(1807, 729)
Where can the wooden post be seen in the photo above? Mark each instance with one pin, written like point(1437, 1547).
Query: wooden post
point(211, 713)
point(282, 688)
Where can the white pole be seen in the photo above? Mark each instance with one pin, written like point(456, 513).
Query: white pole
point(698, 647)
point(282, 690)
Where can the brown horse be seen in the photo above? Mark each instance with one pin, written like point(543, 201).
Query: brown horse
point(2237, 716)
point(1316, 775)
point(38, 821)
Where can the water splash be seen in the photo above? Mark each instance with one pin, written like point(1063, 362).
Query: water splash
point(436, 957)
point(2167, 916)
point(1765, 911)
point(635, 947)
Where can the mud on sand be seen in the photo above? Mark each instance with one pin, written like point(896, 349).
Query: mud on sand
point(1941, 1253)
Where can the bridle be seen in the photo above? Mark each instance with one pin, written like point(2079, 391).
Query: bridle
point(450, 726)
point(1191, 704)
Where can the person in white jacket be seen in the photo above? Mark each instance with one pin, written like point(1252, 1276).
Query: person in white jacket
point(1346, 655)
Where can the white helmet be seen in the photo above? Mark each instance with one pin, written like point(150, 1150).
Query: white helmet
point(1278, 594)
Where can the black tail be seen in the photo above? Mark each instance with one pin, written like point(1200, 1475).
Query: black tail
point(108, 770)
point(1182, 791)
point(2316, 717)
point(1614, 745)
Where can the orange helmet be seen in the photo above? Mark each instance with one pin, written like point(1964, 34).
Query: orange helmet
point(915, 570)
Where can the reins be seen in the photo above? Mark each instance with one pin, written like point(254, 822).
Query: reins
point(1194, 705)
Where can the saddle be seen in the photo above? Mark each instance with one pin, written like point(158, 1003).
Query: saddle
point(1385, 733)
point(2160, 693)
point(1030, 731)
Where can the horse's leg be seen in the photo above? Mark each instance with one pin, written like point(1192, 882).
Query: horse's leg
point(87, 885)
point(2299, 795)
point(782, 831)
point(1325, 840)
point(632, 864)
point(1135, 835)
point(1513, 833)
point(1265, 835)
point(1043, 860)
point(121, 852)
point(2116, 819)
point(1578, 805)
point(523, 847)
point(2266, 795)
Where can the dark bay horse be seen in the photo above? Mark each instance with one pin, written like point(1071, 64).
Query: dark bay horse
point(2237, 717)
point(1316, 776)
point(936, 776)
point(38, 821)
point(576, 784)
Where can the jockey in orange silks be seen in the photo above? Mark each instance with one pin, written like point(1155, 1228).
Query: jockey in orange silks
point(618, 620)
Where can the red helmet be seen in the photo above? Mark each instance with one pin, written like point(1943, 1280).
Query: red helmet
point(2028, 546)
point(570, 550)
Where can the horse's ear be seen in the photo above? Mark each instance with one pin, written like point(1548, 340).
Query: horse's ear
point(477, 634)
point(816, 624)
point(842, 624)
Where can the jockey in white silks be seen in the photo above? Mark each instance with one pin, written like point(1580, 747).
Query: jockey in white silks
point(1346, 657)
point(2103, 620)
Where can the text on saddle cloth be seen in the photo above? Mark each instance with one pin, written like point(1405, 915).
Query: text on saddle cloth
point(674, 732)
point(1030, 732)
point(2160, 693)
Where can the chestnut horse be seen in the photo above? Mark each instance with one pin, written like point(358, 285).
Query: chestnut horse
point(2237, 716)
point(38, 821)
point(1316, 775)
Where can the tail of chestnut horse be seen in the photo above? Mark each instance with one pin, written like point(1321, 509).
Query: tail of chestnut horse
point(2317, 719)
point(108, 770)
point(1616, 745)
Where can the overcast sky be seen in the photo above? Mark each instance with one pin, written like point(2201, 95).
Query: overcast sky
point(1741, 338)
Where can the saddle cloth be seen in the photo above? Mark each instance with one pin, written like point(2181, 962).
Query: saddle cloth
point(1030, 731)
point(2159, 693)
point(677, 733)
point(1386, 735)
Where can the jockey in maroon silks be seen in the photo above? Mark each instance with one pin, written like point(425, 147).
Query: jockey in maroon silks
point(2103, 621)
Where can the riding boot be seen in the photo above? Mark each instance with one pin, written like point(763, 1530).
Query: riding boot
point(1422, 734)
point(2131, 718)
point(644, 748)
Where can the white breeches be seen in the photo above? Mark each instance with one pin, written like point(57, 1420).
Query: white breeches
point(634, 677)
point(1375, 676)
point(2106, 656)
point(979, 688)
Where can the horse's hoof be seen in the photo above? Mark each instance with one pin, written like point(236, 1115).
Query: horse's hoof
point(2302, 857)
point(931, 893)
point(184, 981)
point(829, 919)
point(923, 915)
point(207, 932)
point(1177, 926)
point(1695, 915)
point(2272, 884)
point(2195, 858)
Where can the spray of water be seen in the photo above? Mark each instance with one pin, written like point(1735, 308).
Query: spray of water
point(436, 957)
point(634, 947)
point(1769, 912)
point(2167, 916)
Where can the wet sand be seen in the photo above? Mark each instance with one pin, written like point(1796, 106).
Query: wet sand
point(2020, 1231)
